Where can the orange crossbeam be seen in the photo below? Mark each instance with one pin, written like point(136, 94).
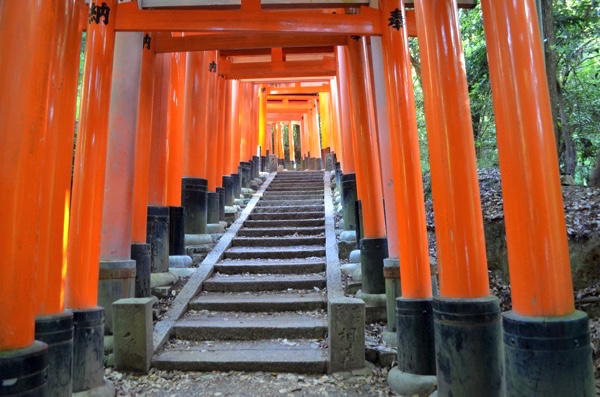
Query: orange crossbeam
point(290, 106)
point(298, 90)
point(237, 41)
point(230, 70)
point(366, 23)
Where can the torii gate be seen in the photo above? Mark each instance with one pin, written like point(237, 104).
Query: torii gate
point(36, 115)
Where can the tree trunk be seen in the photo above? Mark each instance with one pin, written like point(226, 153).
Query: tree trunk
point(595, 180)
point(550, 56)
point(567, 135)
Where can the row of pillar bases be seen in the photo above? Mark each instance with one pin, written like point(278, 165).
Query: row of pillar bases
point(469, 344)
point(68, 353)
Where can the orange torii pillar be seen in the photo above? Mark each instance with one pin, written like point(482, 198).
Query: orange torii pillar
point(117, 269)
point(55, 191)
point(85, 226)
point(336, 123)
point(416, 348)
point(303, 140)
point(194, 189)
point(254, 145)
point(348, 170)
point(221, 87)
point(374, 246)
point(140, 249)
point(246, 124)
point(464, 287)
point(236, 134)
point(316, 138)
point(546, 341)
point(157, 227)
point(326, 130)
point(277, 140)
point(291, 144)
point(229, 118)
point(27, 137)
point(212, 171)
point(262, 127)
point(389, 181)
point(232, 143)
point(175, 137)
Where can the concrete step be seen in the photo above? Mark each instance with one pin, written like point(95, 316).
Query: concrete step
point(299, 251)
point(277, 241)
point(269, 282)
point(299, 356)
point(281, 231)
point(261, 216)
point(251, 326)
point(273, 266)
point(305, 187)
point(260, 302)
point(286, 223)
point(289, 191)
point(319, 207)
point(279, 197)
point(288, 203)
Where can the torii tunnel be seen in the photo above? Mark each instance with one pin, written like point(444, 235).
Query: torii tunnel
point(183, 100)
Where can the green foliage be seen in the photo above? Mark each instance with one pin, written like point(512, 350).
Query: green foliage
point(577, 29)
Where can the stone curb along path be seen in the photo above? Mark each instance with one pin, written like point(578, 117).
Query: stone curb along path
point(260, 300)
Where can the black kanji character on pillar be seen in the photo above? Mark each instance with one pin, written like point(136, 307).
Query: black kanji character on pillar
point(212, 67)
point(355, 38)
point(147, 41)
point(396, 19)
point(97, 12)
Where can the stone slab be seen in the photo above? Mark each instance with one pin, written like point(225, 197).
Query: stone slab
point(264, 283)
point(164, 279)
point(274, 266)
point(180, 261)
point(281, 231)
point(278, 241)
point(197, 239)
point(299, 356)
point(354, 256)
point(406, 384)
point(262, 302)
point(346, 334)
point(232, 327)
point(215, 228)
point(132, 331)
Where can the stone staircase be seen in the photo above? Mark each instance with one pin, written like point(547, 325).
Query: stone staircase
point(265, 306)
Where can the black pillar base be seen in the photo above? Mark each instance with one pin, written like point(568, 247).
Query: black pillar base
point(263, 163)
point(88, 349)
point(221, 193)
point(338, 177)
point(348, 183)
point(176, 231)
point(255, 166)
point(157, 235)
point(245, 174)
point(213, 208)
point(228, 189)
point(372, 253)
point(140, 253)
point(358, 220)
point(414, 332)
point(468, 346)
point(56, 331)
point(237, 186)
point(548, 356)
point(195, 200)
point(24, 372)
